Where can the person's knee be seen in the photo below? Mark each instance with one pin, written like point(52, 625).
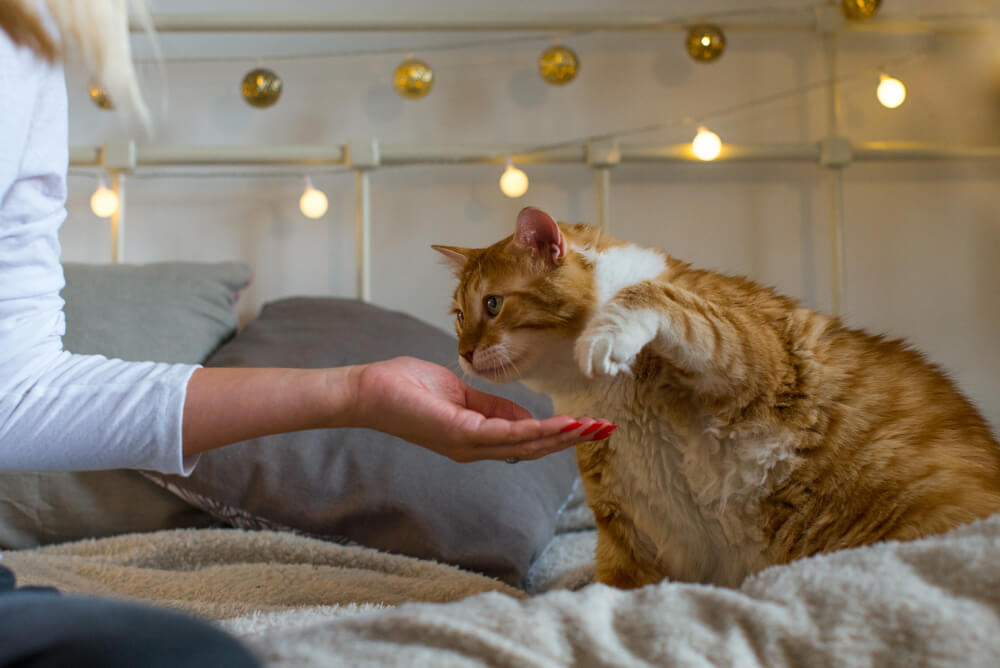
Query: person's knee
point(60, 631)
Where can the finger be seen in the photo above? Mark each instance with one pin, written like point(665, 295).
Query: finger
point(493, 406)
point(547, 446)
point(540, 447)
point(495, 431)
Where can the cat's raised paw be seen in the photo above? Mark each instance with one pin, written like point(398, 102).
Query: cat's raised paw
point(612, 340)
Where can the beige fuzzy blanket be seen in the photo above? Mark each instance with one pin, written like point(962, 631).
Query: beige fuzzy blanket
point(300, 602)
point(229, 574)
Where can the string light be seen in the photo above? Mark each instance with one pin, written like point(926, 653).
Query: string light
point(890, 92)
point(706, 144)
point(413, 79)
point(513, 181)
point(104, 201)
point(313, 202)
point(558, 65)
point(860, 10)
point(261, 88)
point(99, 96)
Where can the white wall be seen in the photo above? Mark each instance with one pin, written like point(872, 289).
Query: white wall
point(923, 239)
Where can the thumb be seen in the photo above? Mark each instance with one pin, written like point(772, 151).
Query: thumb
point(493, 406)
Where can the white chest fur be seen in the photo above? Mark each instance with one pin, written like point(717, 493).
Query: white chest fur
point(621, 266)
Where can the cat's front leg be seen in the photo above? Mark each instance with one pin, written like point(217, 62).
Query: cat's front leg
point(613, 339)
point(723, 351)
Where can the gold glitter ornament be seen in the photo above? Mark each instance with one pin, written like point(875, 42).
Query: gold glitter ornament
point(859, 10)
point(413, 79)
point(558, 65)
point(705, 43)
point(261, 88)
point(99, 95)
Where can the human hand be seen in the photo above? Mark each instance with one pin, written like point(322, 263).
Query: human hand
point(427, 404)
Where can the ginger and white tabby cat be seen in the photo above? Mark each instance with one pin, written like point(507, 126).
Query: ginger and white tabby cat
point(752, 431)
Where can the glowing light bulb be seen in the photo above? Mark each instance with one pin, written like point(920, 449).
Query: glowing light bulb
point(513, 182)
point(891, 92)
point(313, 202)
point(706, 144)
point(104, 201)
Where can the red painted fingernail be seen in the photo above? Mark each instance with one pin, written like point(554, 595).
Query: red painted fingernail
point(604, 433)
point(570, 427)
point(592, 428)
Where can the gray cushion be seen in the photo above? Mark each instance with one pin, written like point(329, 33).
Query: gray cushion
point(167, 312)
point(367, 487)
point(56, 507)
point(163, 312)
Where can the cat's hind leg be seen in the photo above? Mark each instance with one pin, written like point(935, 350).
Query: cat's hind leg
point(617, 559)
point(617, 566)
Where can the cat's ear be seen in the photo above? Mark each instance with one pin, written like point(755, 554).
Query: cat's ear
point(537, 231)
point(457, 257)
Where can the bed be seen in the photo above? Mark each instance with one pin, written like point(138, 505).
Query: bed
point(346, 548)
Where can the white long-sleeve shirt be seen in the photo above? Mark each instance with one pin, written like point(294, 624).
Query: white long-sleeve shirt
point(60, 411)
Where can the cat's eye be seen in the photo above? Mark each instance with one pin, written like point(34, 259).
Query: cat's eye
point(459, 316)
point(493, 304)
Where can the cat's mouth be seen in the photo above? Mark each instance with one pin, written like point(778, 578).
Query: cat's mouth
point(496, 368)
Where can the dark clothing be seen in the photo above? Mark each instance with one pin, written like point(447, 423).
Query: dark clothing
point(40, 628)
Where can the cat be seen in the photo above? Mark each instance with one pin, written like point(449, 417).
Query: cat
point(752, 431)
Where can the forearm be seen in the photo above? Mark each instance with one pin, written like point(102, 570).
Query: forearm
point(227, 405)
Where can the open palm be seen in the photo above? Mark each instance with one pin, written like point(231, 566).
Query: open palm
point(427, 404)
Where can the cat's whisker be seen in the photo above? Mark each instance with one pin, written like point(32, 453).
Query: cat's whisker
point(504, 362)
point(514, 366)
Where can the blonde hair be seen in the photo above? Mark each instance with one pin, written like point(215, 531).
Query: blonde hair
point(96, 30)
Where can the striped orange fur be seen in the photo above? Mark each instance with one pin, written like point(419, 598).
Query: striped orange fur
point(752, 430)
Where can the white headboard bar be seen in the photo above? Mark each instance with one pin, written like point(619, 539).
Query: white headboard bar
point(835, 154)
point(187, 156)
point(521, 22)
point(408, 154)
point(363, 233)
point(118, 218)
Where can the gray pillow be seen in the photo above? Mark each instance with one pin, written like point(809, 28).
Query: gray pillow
point(167, 312)
point(163, 312)
point(57, 507)
point(367, 487)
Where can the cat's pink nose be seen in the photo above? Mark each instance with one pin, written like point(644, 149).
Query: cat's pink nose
point(468, 355)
